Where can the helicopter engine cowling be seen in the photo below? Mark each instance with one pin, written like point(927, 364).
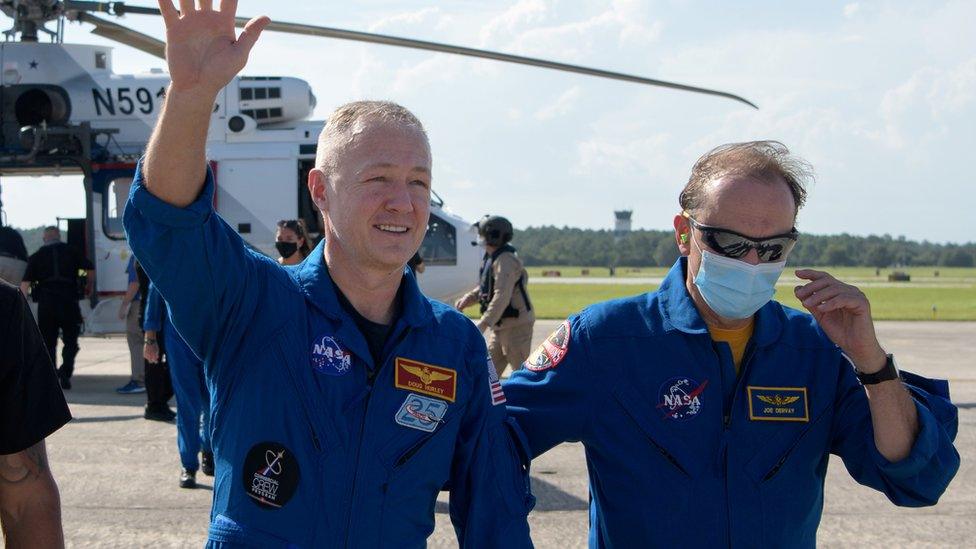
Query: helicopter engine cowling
point(31, 105)
point(273, 99)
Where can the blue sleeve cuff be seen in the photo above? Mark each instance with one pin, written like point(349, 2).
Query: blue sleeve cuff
point(923, 450)
point(157, 211)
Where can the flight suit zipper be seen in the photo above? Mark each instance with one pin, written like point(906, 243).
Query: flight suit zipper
point(727, 421)
point(370, 379)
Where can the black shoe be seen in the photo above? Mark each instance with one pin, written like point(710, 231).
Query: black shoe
point(188, 479)
point(65, 383)
point(207, 463)
point(164, 414)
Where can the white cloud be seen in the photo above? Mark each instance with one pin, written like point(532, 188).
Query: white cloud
point(563, 105)
point(850, 10)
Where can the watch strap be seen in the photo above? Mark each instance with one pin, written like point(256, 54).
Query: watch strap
point(887, 373)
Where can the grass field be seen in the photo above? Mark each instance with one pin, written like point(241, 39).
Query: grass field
point(952, 293)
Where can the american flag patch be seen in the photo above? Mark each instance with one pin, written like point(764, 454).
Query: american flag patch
point(494, 385)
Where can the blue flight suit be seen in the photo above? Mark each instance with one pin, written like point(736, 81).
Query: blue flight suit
point(682, 452)
point(189, 385)
point(315, 445)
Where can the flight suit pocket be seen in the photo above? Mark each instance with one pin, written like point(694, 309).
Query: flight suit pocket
point(226, 533)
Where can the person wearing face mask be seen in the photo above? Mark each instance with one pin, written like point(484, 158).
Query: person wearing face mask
point(707, 410)
point(291, 241)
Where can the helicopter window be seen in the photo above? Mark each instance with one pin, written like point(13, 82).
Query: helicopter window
point(101, 60)
point(260, 93)
point(261, 114)
point(440, 243)
point(274, 93)
point(113, 203)
point(248, 113)
point(276, 112)
point(246, 94)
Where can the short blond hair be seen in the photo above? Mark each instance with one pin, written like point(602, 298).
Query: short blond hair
point(350, 118)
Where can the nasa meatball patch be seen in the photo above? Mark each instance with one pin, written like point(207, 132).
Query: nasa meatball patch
point(552, 351)
point(681, 398)
point(328, 357)
point(271, 474)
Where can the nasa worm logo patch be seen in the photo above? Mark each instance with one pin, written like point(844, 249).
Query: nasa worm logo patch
point(271, 474)
point(681, 398)
point(328, 357)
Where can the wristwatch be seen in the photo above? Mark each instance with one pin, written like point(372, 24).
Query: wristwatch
point(889, 372)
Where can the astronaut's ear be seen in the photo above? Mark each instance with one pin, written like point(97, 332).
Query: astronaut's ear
point(684, 238)
point(317, 183)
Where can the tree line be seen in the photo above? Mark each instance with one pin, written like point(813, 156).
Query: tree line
point(640, 248)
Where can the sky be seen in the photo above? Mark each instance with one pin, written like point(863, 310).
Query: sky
point(880, 97)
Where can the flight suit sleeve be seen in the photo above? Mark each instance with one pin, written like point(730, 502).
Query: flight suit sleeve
point(507, 272)
point(154, 311)
point(921, 477)
point(198, 263)
point(490, 494)
point(554, 396)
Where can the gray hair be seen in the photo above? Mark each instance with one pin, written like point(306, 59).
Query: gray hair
point(349, 119)
point(764, 160)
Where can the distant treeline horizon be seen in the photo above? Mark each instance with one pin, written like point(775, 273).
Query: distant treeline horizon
point(549, 245)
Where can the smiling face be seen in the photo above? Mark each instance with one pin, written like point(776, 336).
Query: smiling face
point(376, 196)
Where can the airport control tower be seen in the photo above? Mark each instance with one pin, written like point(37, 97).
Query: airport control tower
point(621, 224)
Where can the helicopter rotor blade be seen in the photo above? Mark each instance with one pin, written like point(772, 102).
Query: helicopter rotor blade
point(124, 35)
point(328, 32)
point(120, 8)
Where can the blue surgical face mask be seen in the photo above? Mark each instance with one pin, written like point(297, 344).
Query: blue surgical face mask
point(735, 289)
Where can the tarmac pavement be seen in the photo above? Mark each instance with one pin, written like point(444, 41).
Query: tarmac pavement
point(118, 473)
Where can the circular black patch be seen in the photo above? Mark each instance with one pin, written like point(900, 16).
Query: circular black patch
point(271, 474)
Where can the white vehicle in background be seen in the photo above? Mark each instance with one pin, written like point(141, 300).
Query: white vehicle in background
point(65, 112)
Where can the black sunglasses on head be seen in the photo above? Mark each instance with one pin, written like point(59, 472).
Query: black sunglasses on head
point(736, 245)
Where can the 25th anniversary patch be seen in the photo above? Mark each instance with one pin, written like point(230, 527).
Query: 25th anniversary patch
point(271, 474)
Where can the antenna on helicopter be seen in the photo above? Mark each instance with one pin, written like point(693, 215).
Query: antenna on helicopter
point(30, 15)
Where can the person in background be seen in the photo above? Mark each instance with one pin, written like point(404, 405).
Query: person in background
point(53, 270)
point(291, 241)
point(159, 384)
point(506, 309)
point(192, 398)
point(32, 407)
point(133, 332)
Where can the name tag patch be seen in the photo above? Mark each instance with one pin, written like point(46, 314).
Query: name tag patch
point(421, 413)
point(426, 379)
point(778, 404)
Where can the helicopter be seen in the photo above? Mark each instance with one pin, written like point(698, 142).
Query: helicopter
point(64, 111)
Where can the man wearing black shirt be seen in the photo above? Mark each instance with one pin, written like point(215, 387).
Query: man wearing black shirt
point(54, 270)
point(31, 408)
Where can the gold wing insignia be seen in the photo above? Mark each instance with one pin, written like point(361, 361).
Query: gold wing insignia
point(415, 370)
point(778, 400)
point(437, 376)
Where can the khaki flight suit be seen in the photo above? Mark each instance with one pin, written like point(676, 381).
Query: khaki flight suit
point(510, 341)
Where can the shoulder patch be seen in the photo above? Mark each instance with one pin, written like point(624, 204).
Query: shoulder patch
point(552, 351)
